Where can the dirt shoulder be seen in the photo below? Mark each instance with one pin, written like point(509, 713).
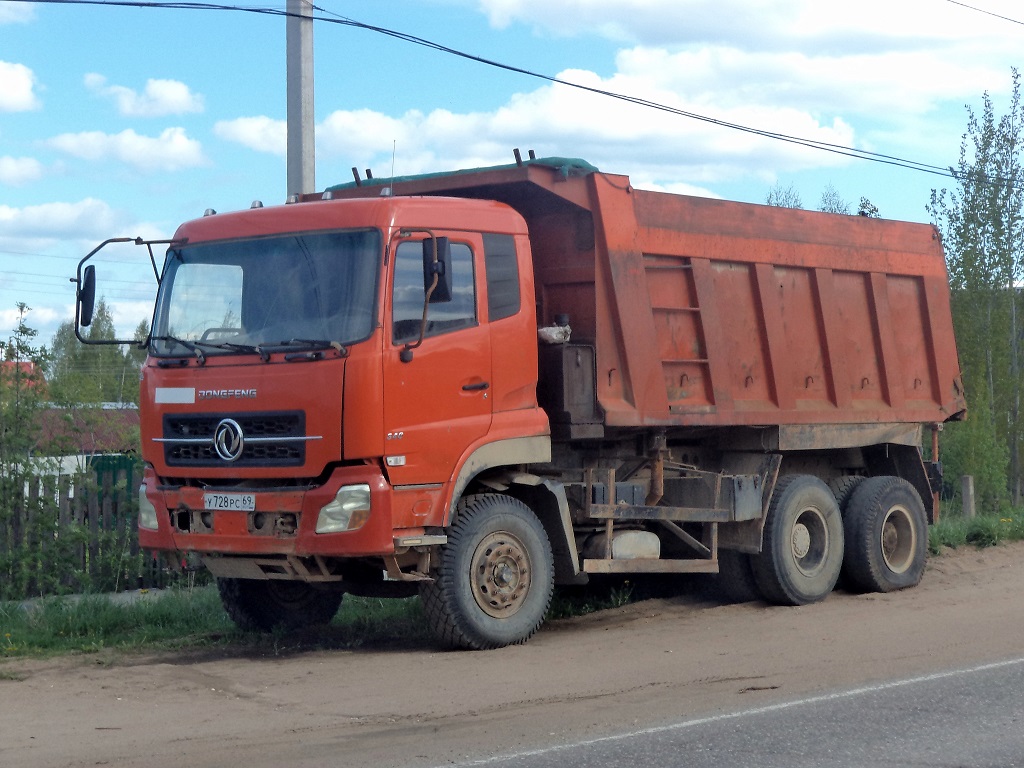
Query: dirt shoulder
point(647, 663)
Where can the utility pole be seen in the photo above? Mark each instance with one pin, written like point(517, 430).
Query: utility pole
point(301, 135)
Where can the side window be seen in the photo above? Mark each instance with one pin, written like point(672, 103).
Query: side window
point(408, 294)
point(502, 276)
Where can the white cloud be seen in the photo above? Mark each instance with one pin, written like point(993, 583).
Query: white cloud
point(17, 13)
point(128, 314)
point(264, 134)
point(88, 219)
point(172, 150)
point(52, 237)
point(908, 55)
point(655, 148)
point(796, 68)
point(36, 317)
point(160, 97)
point(18, 91)
point(756, 24)
point(15, 171)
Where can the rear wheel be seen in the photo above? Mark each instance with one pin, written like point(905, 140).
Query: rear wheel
point(842, 488)
point(802, 552)
point(256, 605)
point(495, 577)
point(886, 536)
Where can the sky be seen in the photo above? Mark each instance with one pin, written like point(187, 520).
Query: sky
point(126, 121)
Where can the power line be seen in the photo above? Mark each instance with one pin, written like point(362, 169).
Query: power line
point(987, 13)
point(334, 18)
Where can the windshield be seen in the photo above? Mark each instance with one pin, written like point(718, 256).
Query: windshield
point(243, 295)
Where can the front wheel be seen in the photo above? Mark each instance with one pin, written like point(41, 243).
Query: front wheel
point(802, 552)
point(736, 581)
point(260, 606)
point(495, 577)
point(886, 535)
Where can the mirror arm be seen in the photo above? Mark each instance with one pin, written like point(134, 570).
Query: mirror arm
point(406, 354)
point(80, 281)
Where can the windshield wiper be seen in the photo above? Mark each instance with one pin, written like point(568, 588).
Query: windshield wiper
point(186, 344)
point(310, 344)
point(310, 348)
point(253, 349)
point(305, 343)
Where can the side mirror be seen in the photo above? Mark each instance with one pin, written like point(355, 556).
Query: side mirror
point(437, 263)
point(86, 297)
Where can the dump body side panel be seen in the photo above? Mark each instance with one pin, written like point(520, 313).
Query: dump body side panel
point(775, 316)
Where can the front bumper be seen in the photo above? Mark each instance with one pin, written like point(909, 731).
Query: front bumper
point(282, 523)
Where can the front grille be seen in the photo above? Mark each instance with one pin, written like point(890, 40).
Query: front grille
point(276, 439)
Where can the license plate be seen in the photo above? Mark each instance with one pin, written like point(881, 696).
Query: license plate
point(237, 502)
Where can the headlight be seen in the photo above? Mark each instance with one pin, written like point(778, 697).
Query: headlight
point(147, 512)
point(348, 511)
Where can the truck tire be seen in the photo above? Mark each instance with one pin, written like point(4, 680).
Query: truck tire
point(735, 581)
point(886, 536)
point(260, 606)
point(843, 488)
point(802, 552)
point(495, 577)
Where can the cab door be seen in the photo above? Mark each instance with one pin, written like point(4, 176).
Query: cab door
point(438, 402)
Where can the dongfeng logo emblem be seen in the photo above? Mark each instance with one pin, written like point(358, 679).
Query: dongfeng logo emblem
point(228, 440)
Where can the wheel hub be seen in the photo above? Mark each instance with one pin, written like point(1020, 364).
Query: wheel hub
point(801, 540)
point(898, 539)
point(810, 541)
point(501, 574)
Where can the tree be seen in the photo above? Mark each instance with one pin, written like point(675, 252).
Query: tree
point(832, 201)
point(109, 373)
point(784, 197)
point(22, 393)
point(867, 208)
point(27, 512)
point(982, 225)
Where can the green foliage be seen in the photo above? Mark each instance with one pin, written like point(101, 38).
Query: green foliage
point(179, 618)
point(27, 509)
point(55, 537)
point(867, 208)
point(982, 224)
point(191, 618)
point(977, 447)
point(597, 596)
point(83, 373)
point(53, 544)
point(982, 531)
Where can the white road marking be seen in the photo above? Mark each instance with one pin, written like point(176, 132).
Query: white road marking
point(767, 709)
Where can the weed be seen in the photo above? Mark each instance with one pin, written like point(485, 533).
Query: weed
point(982, 531)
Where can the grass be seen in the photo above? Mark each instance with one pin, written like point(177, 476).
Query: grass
point(597, 596)
point(953, 531)
point(192, 619)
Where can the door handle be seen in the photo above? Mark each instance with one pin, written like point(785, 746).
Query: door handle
point(475, 387)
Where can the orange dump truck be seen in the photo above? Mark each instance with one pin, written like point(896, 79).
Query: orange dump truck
point(481, 384)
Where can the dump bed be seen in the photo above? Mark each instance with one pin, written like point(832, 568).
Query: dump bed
point(716, 313)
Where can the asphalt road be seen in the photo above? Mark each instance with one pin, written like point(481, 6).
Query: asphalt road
point(967, 718)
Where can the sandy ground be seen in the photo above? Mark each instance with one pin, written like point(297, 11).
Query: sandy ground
point(652, 662)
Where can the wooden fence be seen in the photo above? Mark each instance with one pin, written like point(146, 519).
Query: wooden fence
point(74, 534)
